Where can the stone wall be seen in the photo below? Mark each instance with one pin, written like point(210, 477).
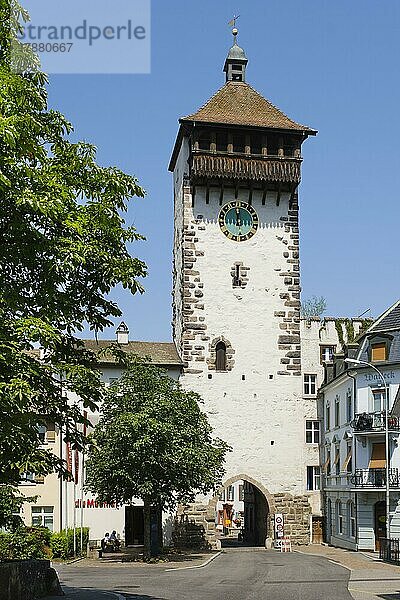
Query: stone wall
point(27, 580)
point(195, 526)
point(296, 512)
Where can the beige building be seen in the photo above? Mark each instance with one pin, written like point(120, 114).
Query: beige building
point(62, 504)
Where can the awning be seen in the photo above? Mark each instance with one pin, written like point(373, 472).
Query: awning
point(378, 456)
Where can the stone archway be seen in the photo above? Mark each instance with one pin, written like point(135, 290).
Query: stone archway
point(252, 512)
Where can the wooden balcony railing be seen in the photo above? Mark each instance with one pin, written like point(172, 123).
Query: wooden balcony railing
point(273, 169)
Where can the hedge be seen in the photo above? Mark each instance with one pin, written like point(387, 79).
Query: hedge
point(39, 542)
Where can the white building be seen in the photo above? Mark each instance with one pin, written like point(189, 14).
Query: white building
point(61, 504)
point(353, 440)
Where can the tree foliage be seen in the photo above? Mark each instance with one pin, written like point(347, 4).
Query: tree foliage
point(313, 307)
point(153, 442)
point(64, 247)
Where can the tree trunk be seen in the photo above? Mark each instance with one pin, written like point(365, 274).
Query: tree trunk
point(160, 529)
point(147, 528)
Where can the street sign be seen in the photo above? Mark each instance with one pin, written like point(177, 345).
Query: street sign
point(279, 525)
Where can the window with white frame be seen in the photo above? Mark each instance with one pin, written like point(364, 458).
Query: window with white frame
point(326, 354)
point(310, 384)
point(327, 464)
point(42, 516)
point(241, 492)
point(313, 478)
point(349, 406)
point(352, 519)
point(348, 463)
point(327, 416)
point(336, 462)
point(339, 517)
point(337, 411)
point(312, 432)
point(379, 399)
point(230, 493)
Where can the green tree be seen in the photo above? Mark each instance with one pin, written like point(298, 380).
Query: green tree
point(152, 442)
point(64, 247)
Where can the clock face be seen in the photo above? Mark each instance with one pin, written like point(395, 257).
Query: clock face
point(238, 221)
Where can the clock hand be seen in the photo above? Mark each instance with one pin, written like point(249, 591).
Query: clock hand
point(238, 221)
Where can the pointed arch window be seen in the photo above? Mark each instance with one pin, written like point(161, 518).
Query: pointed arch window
point(220, 356)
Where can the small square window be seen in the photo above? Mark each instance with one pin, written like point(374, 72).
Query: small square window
point(310, 385)
point(313, 478)
point(312, 432)
point(326, 354)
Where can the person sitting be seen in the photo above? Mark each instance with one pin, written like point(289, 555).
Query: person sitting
point(114, 540)
point(105, 541)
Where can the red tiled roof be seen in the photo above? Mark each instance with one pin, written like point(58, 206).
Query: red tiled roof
point(237, 103)
point(160, 353)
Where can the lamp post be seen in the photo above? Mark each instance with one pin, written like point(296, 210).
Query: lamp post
point(354, 361)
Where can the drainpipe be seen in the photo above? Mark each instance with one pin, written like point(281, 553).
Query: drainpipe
point(354, 450)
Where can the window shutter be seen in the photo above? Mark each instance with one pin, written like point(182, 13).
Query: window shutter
point(378, 352)
point(378, 456)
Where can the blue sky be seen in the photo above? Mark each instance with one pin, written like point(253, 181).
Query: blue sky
point(330, 65)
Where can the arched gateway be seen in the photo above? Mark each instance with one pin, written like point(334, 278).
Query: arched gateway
point(240, 512)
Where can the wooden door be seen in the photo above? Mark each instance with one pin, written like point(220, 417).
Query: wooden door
point(380, 523)
point(317, 530)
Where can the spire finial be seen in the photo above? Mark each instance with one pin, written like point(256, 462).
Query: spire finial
point(232, 23)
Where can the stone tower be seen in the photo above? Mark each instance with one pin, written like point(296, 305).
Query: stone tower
point(236, 292)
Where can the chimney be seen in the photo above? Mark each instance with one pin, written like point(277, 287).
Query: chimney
point(122, 334)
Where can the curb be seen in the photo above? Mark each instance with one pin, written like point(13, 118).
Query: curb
point(71, 562)
point(333, 561)
point(204, 564)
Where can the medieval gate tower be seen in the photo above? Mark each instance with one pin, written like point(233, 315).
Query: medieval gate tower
point(236, 294)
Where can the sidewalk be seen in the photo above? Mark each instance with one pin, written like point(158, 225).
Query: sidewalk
point(370, 579)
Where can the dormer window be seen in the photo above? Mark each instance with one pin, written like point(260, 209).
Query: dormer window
point(378, 352)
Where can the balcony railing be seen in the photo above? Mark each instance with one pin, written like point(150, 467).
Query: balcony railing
point(374, 422)
point(263, 168)
point(375, 478)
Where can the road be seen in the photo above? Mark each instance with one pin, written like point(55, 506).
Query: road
point(234, 575)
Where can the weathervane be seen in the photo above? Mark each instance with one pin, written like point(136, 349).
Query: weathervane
point(232, 23)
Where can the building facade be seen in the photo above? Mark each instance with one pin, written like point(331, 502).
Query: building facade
point(66, 504)
point(353, 448)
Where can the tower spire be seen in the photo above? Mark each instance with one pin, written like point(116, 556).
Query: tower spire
point(236, 61)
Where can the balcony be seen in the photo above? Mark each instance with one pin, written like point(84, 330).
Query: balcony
point(370, 422)
point(271, 169)
point(375, 478)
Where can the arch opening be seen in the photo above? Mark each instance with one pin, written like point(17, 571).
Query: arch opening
point(242, 509)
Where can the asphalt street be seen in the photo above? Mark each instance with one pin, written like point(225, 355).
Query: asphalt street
point(234, 575)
